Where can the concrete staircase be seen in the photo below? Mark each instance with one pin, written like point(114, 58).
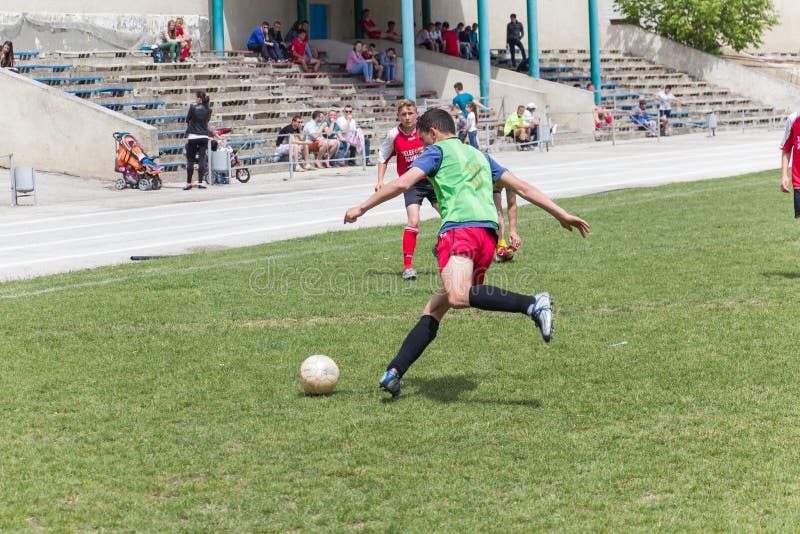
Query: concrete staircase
point(628, 79)
point(253, 98)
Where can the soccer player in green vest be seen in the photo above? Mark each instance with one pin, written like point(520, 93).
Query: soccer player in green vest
point(463, 179)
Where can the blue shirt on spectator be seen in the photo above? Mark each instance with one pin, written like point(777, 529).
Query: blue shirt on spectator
point(256, 38)
point(461, 100)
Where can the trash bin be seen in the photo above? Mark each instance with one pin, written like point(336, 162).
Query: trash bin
point(23, 183)
point(221, 166)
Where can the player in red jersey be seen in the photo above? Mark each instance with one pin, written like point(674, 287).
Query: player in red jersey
point(404, 142)
point(790, 146)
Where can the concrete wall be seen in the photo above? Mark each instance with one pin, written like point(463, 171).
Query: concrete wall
point(783, 37)
point(739, 79)
point(57, 132)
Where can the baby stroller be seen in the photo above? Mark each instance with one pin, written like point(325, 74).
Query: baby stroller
point(242, 174)
point(136, 167)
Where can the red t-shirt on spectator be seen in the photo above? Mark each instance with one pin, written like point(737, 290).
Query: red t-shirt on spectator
point(298, 49)
point(450, 38)
point(369, 29)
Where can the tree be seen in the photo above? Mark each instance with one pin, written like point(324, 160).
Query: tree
point(704, 24)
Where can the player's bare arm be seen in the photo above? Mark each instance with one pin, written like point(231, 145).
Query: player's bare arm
point(387, 192)
point(785, 159)
point(381, 173)
point(514, 240)
point(533, 195)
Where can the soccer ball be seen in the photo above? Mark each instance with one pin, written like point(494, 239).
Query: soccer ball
point(318, 375)
point(504, 252)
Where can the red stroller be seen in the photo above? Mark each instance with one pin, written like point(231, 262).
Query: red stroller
point(136, 167)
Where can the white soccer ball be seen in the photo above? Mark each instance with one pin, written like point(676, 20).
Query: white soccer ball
point(318, 375)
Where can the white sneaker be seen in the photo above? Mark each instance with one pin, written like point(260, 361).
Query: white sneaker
point(298, 168)
point(409, 274)
point(542, 315)
point(307, 166)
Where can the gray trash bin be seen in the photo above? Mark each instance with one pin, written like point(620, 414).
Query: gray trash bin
point(23, 183)
point(221, 166)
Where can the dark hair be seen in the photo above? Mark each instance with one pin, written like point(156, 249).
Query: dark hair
point(390, 49)
point(513, 15)
point(390, 23)
point(301, 31)
point(458, 86)
point(316, 114)
point(667, 87)
point(264, 23)
point(204, 98)
point(436, 118)
point(356, 44)
point(8, 61)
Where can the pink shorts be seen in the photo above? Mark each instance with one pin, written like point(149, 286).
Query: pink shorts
point(477, 244)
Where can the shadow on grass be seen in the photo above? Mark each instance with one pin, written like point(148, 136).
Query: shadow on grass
point(784, 274)
point(447, 389)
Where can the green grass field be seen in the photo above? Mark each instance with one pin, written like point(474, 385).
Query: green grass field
point(163, 396)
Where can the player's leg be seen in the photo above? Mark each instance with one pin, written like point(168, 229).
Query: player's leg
point(413, 202)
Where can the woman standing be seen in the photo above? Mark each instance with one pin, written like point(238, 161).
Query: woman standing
point(197, 135)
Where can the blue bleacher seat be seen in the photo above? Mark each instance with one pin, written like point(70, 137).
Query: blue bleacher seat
point(54, 68)
point(621, 96)
point(557, 68)
point(162, 118)
point(25, 55)
point(50, 80)
point(116, 89)
point(134, 105)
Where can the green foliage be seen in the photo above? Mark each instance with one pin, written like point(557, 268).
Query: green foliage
point(163, 397)
point(704, 24)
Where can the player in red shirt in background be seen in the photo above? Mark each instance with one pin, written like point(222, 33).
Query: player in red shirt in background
point(404, 142)
point(791, 153)
point(450, 38)
point(298, 51)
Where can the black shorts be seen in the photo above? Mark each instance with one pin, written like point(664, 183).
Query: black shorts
point(667, 112)
point(419, 192)
point(796, 203)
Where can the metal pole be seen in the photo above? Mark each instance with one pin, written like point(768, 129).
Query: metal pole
point(613, 125)
point(302, 10)
point(426, 12)
point(533, 39)
point(291, 158)
point(594, 45)
point(409, 72)
point(483, 52)
point(218, 24)
point(358, 7)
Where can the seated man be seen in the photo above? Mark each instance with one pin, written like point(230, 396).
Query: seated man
point(275, 36)
point(516, 129)
point(289, 142)
point(388, 61)
point(450, 38)
point(424, 38)
point(642, 119)
point(369, 28)
point(261, 43)
point(532, 121)
point(391, 33)
point(358, 143)
point(318, 143)
point(298, 50)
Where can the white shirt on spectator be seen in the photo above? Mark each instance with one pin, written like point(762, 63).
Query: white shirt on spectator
point(346, 125)
point(472, 122)
point(311, 127)
point(665, 100)
point(422, 37)
point(529, 117)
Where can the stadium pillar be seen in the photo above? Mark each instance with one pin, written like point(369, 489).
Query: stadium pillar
point(483, 52)
point(218, 25)
point(358, 7)
point(594, 45)
point(409, 71)
point(426, 12)
point(533, 39)
point(302, 10)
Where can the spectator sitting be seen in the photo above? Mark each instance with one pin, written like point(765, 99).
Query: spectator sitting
point(391, 34)
point(462, 99)
point(601, 115)
point(332, 132)
point(424, 38)
point(642, 119)
point(184, 40)
point(290, 140)
point(311, 51)
point(370, 53)
point(7, 56)
point(169, 41)
point(275, 36)
point(388, 61)
point(298, 50)
point(464, 47)
point(516, 129)
point(473, 39)
point(260, 42)
point(358, 142)
point(436, 35)
point(291, 35)
point(450, 38)
point(532, 121)
point(357, 64)
point(324, 148)
point(369, 28)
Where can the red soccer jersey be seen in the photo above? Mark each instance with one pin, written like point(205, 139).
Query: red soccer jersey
point(406, 147)
point(298, 48)
point(791, 143)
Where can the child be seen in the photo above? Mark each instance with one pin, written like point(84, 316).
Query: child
point(462, 178)
point(472, 124)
